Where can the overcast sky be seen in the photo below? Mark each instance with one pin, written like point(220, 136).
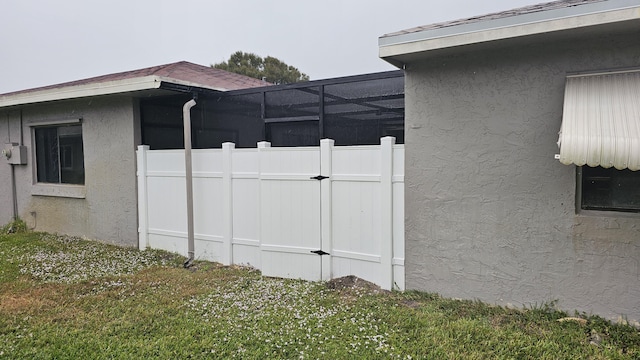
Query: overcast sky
point(49, 42)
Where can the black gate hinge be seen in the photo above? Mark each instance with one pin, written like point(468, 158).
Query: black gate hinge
point(320, 252)
point(319, 177)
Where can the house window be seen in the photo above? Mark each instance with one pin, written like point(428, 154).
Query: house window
point(59, 154)
point(609, 189)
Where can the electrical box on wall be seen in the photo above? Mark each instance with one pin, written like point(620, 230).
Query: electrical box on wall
point(15, 154)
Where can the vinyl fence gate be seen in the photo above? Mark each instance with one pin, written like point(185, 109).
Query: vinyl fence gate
point(313, 213)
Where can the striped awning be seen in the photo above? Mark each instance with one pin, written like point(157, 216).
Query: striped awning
point(601, 120)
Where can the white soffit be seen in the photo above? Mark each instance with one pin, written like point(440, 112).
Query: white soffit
point(601, 120)
point(123, 86)
point(79, 91)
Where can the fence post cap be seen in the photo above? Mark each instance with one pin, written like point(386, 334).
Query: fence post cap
point(391, 139)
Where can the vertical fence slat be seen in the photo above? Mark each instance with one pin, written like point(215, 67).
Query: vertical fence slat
point(386, 207)
point(143, 218)
point(227, 203)
point(262, 146)
point(326, 231)
point(398, 217)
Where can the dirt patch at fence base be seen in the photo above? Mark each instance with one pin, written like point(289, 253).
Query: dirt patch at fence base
point(352, 282)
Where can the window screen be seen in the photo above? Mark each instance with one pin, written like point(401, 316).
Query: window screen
point(610, 189)
point(59, 154)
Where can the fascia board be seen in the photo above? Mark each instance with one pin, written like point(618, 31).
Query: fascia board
point(433, 40)
point(80, 91)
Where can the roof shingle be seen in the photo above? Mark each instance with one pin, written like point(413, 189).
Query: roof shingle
point(498, 15)
point(202, 76)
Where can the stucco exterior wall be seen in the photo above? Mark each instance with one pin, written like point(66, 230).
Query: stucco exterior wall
point(490, 214)
point(108, 212)
point(9, 132)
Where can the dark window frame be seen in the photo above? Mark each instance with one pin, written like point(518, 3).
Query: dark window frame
point(600, 189)
point(51, 143)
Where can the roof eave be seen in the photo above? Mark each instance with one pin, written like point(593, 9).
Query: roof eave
point(81, 91)
point(395, 48)
point(190, 84)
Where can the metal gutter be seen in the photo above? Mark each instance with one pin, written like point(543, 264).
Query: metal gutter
point(540, 22)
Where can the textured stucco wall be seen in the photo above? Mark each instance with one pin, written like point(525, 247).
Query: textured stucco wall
point(108, 212)
point(9, 132)
point(490, 214)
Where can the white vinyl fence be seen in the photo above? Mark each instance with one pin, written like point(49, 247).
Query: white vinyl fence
point(271, 209)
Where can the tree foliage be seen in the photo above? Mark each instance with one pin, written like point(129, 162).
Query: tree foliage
point(270, 69)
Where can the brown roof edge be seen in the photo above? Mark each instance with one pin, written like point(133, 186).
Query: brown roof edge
point(182, 71)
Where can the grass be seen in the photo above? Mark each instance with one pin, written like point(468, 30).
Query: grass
point(66, 298)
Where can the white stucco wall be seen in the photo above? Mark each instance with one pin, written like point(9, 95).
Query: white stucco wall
point(490, 214)
point(110, 134)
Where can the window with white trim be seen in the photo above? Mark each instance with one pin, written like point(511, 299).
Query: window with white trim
point(59, 154)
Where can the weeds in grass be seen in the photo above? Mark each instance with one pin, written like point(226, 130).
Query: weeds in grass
point(17, 226)
point(65, 297)
point(71, 259)
point(289, 318)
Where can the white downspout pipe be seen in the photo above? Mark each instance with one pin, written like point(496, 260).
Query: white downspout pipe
point(186, 115)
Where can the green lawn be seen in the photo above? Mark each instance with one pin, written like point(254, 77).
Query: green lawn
point(67, 298)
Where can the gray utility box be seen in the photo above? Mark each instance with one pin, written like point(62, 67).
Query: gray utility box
point(15, 154)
